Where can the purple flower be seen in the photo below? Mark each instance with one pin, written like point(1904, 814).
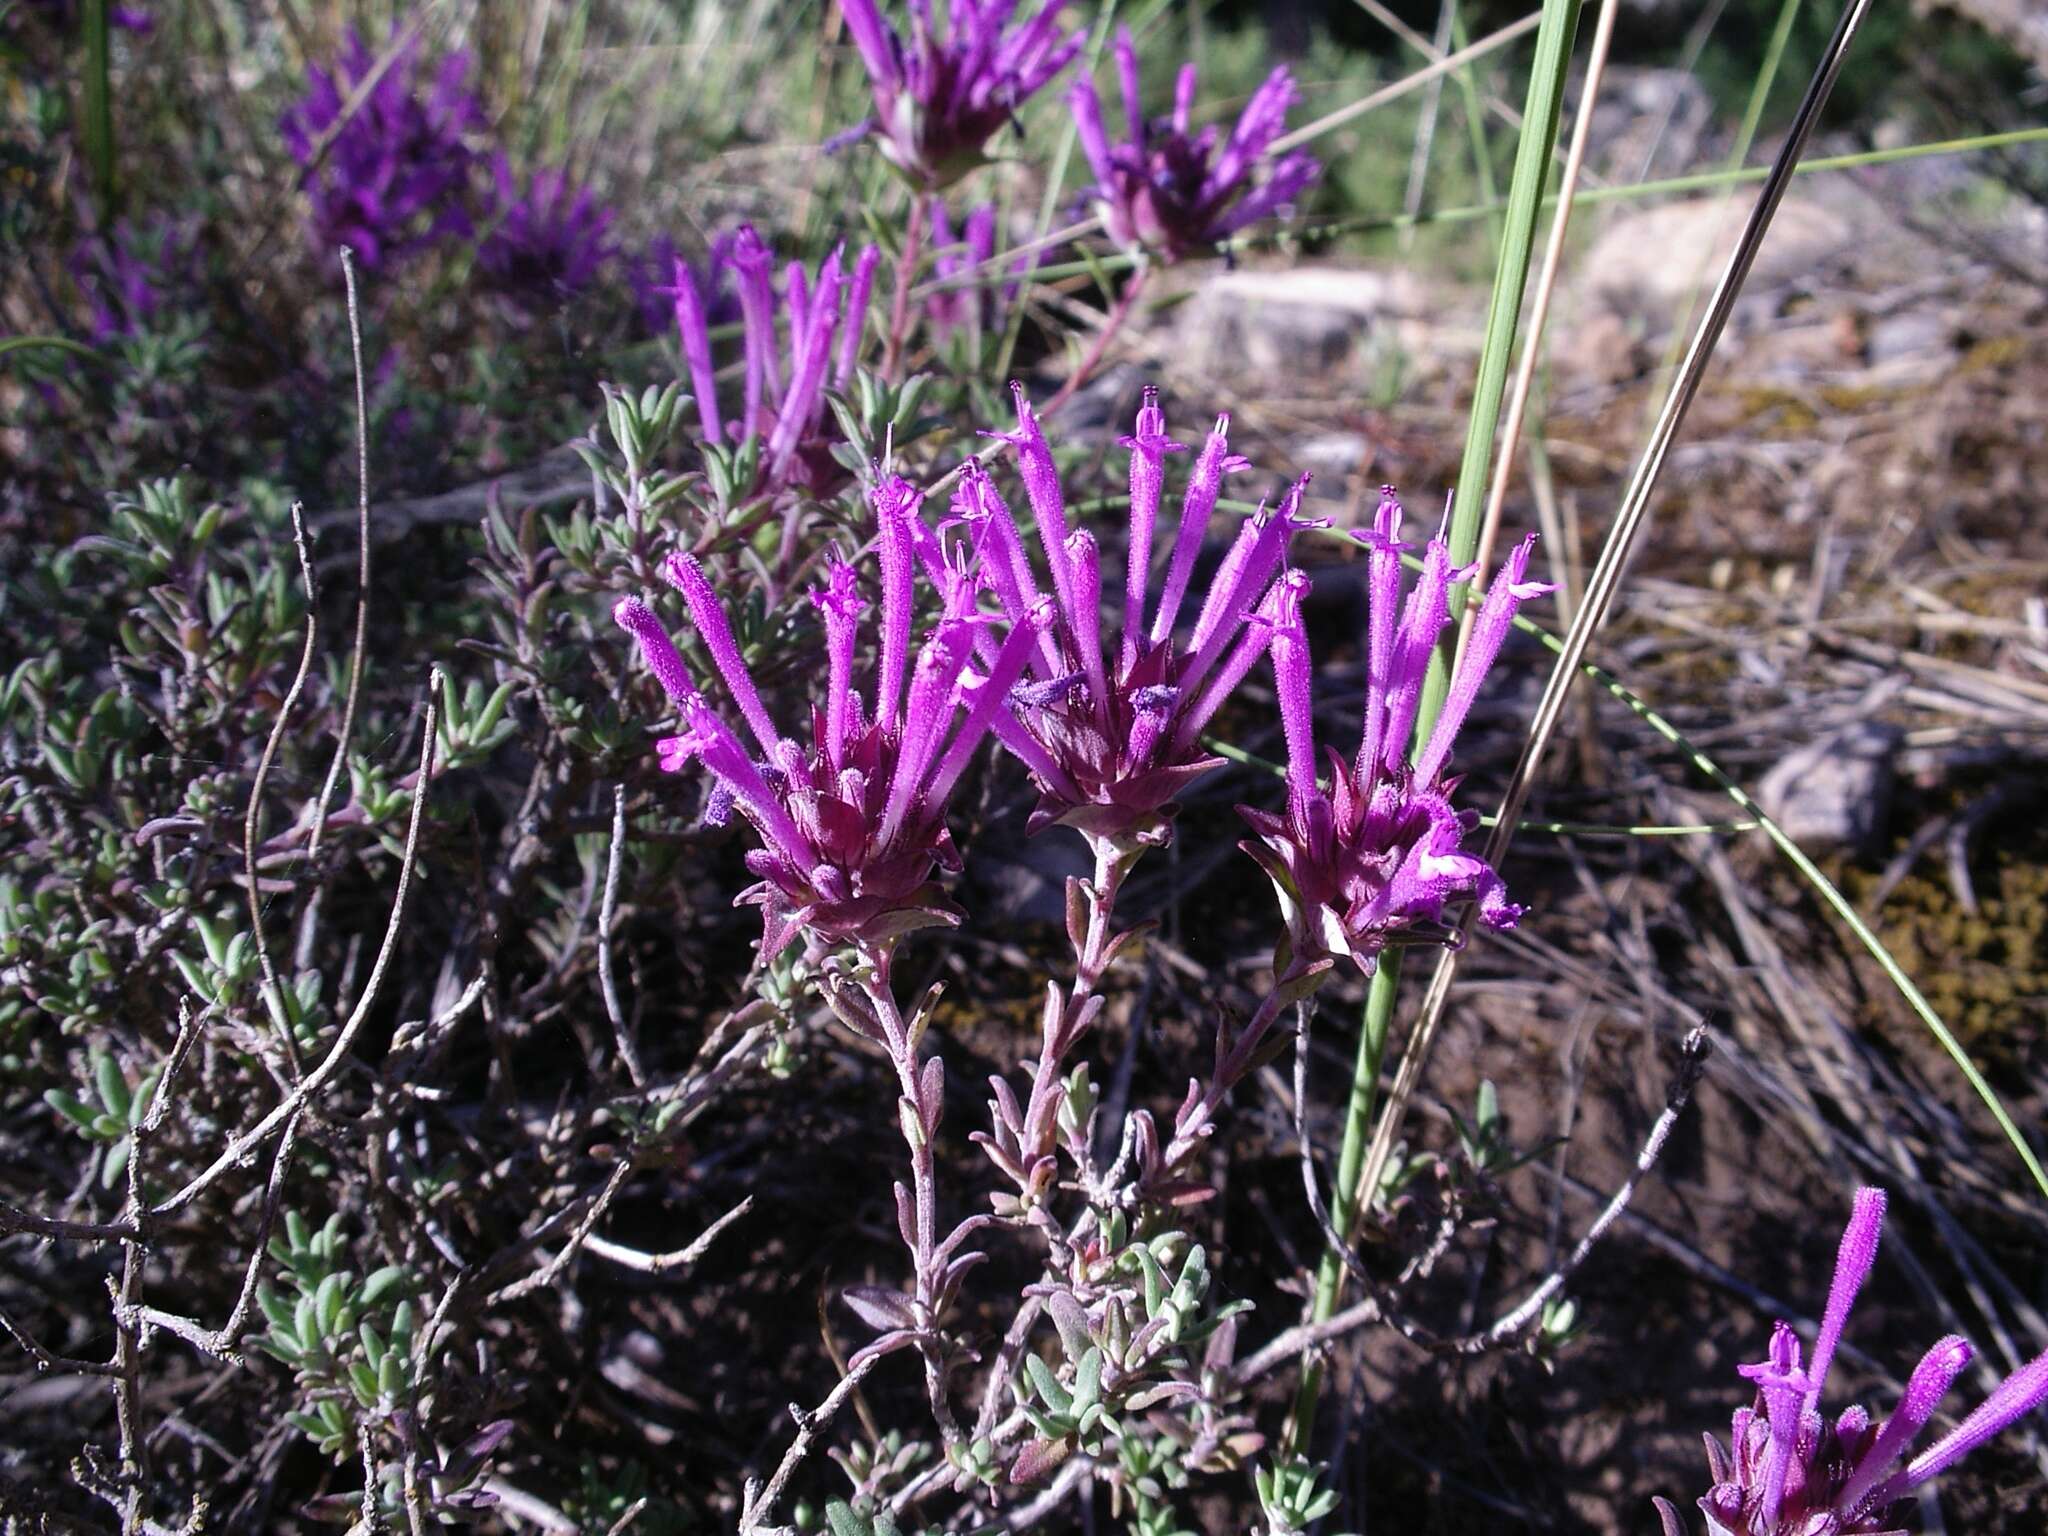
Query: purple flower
point(939, 100)
point(822, 319)
point(395, 175)
point(981, 306)
point(852, 828)
point(1111, 732)
point(137, 273)
point(652, 277)
point(1378, 852)
point(1173, 190)
point(547, 242)
point(1792, 1473)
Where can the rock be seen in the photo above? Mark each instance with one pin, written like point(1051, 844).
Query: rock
point(1835, 791)
point(1647, 118)
point(1330, 456)
point(1913, 334)
point(1303, 325)
point(1648, 263)
point(1598, 347)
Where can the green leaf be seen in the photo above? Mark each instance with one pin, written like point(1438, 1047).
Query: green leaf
point(112, 1085)
point(69, 1107)
point(382, 1283)
point(1054, 1396)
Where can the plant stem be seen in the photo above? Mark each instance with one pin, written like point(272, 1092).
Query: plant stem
point(918, 1116)
point(906, 277)
point(1191, 1126)
point(1346, 1208)
point(1113, 862)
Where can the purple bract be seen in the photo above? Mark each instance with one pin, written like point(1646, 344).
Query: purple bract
point(1792, 1473)
point(939, 99)
point(548, 240)
point(852, 828)
point(823, 318)
point(1377, 853)
point(1111, 732)
point(394, 174)
point(1171, 189)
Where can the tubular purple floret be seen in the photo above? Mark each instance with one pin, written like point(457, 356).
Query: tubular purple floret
point(854, 327)
point(1422, 620)
point(750, 258)
point(1383, 600)
point(708, 615)
point(1048, 503)
point(1127, 78)
point(934, 689)
point(812, 357)
point(1781, 1384)
point(895, 501)
point(1008, 568)
point(1087, 109)
point(1237, 584)
point(1252, 643)
point(1508, 591)
point(723, 756)
point(1853, 1259)
point(1925, 1389)
point(1293, 681)
point(1184, 87)
point(990, 700)
point(2012, 1400)
point(663, 660)
point(1204, 487)
point(876, 43)
point(695, 335)
point(1084, 563)
point(840, 604)
point(1257, 126)
point(1149, 446)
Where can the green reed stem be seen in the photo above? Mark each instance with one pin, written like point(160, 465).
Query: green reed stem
point(1541, 110)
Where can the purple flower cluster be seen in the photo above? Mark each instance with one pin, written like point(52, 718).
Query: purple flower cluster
point(853, 828)
point(940, 99)
point(1111, 731)
point(394, 174)
point(1172, 190)
point(137, 273)
point(1377, 853)
point(821, 321)
point(1792, 1473)
point(548, 240)
point(1108, 726)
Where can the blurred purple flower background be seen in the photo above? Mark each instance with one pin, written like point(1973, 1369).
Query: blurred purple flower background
point(394, 175)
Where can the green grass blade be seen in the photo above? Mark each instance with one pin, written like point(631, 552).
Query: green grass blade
point(96, 106)
point(1540, 115)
